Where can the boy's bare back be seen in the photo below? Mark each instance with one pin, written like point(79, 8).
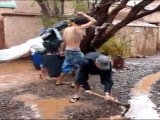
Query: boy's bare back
point(73, 36)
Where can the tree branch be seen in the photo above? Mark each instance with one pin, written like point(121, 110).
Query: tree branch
point(137, 8)
point(45, 8)
point(111, 17)
point(147, 13)
point(116, 10)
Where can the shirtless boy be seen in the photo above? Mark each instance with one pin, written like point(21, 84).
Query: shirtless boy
point(72, 36)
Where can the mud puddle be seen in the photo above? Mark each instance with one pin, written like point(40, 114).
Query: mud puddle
point(141, 105)
point(16, 74)
point(48, 108)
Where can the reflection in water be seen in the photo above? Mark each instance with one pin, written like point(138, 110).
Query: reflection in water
point(141, 105)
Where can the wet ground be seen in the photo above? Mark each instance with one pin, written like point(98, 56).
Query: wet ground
point(24, 95)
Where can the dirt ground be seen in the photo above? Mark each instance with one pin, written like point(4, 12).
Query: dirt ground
point(25, 96)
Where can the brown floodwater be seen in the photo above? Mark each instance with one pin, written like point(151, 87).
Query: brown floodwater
point(48, 108)
point(16, 74)
point(141, 105)
point(145, 84)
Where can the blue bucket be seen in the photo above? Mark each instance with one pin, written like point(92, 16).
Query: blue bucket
point(36, 60)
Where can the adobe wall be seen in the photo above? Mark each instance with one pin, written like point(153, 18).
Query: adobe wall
point(27, 6)
point(19, 29)
point(144, 40)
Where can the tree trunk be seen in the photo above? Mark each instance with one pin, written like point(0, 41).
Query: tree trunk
point(62, 7)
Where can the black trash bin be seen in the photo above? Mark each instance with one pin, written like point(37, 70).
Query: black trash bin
point(53, 64)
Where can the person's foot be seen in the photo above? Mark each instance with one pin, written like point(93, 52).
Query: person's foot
point(74, 99)
point(42, 77)
point(109, 97)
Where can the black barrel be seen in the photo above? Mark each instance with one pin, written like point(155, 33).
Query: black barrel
point(53, 64)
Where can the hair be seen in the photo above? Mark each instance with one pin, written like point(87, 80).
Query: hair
point(79, 20)
point(61, 25)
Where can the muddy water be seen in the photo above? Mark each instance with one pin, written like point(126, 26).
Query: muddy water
point(48, 108)
point(141, 105)
point(17, 73)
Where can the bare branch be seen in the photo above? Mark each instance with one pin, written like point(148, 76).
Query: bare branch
point(137, 8)
point(115, 11)
point(111, 17)
point(45, 8)
point(147, 13)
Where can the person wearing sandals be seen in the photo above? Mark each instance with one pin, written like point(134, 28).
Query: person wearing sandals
point(94, 63)
point(72, 36)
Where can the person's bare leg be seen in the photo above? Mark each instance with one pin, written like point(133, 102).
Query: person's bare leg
point(44, 73)
point(76, 97)
point(60, 79)
point(77, 87)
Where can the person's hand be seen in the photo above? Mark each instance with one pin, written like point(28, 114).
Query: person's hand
point(88, 91)
point(80, 13)
point(62, 53)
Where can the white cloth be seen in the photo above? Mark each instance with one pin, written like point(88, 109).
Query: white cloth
point(22, 49)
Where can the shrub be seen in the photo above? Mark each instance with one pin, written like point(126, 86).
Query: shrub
point(116, 46)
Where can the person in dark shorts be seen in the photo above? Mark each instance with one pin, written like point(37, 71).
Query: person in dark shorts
point(94, 63)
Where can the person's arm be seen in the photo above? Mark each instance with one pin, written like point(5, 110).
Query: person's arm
point(91, 20)
point(62, 49)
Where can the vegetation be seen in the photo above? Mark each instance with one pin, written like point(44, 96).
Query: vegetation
point(116, 47)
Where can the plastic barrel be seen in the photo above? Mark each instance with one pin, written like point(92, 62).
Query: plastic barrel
point(53, 64)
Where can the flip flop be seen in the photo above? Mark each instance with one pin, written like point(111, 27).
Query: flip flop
point(63, 83)
point(72, 85)
point(74, 99)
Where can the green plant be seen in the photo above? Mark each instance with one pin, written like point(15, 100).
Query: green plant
point(116, 46)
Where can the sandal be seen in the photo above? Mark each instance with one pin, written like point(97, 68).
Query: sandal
point(72, 85)
point(74, 99)
point(63, 83)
